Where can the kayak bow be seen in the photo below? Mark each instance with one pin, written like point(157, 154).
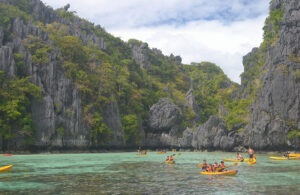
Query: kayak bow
point(6, 168)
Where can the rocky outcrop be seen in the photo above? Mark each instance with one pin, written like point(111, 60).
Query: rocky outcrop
point(276, 109)
point(139, 51)
point(165, 116)
point(212, 135)
point(57, 117)
point(190, 98)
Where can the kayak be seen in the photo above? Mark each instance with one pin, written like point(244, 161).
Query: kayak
point(251, 162)
point(6, 168)
point(283, 158)
point(6, 154)
point(235, 160)
point(231, 172)
point(170, 162)
point(294, 155)
point(141, 154)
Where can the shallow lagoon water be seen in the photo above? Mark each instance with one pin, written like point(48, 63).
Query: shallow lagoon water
point(128, 173)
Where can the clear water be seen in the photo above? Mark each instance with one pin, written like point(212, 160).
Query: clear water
point(127, 173)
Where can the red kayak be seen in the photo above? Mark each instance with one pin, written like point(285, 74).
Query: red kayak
point(6, 154)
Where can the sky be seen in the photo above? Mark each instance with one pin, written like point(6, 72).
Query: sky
point(218, 31)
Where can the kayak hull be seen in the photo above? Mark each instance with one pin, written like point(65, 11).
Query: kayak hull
point(6, 154)
point(283, 158)
point(251, 162)
point(170, 162)
point(6, 168)
point(231, 172)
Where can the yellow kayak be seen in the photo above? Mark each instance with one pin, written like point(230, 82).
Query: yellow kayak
point(294, 155)
point(231, 172)
point(170, 162)
point(251, 162)
point(235, 160)
point(282, 158)
point(6, 168)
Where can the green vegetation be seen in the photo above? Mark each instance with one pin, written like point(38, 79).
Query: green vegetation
point(15, 96)
point(297, 76)
point(271, 28)
point(8, 13)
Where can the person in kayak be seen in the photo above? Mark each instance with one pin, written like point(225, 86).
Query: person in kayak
point(239, 156)
point(171, 158)
point(251, 152)
point(168, 158)
point(222, 165)
point(204, 165)
point(216, 166)
point(210, 168)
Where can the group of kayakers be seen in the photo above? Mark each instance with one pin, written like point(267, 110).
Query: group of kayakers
point(140, 151)
point(213, 167)
point(169, 158)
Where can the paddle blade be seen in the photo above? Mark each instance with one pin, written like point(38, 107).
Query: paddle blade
point(199, 165)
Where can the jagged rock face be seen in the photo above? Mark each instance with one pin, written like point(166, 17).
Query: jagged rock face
point(139, 52)
point(112, 119)
point(164, 117)
point(57, 117)
point(276, 109)
point(212, 135)
point(190, 98)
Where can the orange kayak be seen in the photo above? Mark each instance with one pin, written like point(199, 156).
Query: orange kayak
point(6, 168)
point(6, 154)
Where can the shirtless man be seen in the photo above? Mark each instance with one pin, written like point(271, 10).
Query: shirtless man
point(251, 152)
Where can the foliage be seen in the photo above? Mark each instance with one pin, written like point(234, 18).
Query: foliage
point(39, 49)
point(7, 14)
point(131, 129)
point(297, 76)
point(293, 133)
point(15, 95)
point(271, 28)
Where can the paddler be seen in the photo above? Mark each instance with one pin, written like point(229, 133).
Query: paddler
point(222, 165)
point(171, 158)
point(216, 166)
point(210, 168)
point(168, 158)
point(239, 156)
point(204, 165)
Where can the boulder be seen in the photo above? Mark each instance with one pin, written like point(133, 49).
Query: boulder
point(164, 116)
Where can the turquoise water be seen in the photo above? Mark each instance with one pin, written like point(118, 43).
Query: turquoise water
point(128, 173)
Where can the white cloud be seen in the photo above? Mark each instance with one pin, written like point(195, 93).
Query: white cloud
point(220, 31)
point(204, 41)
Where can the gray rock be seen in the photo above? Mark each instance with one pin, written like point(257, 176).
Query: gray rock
point(1, 36)
point(277, 101)
point(112, 119)
point(164, 116)
point(212, 135)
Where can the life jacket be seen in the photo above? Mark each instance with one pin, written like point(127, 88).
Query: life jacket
point(240, 157)
point(222, 165)
point(171, 158)
point(254, 156)
point(210, 169)
point(204, 165)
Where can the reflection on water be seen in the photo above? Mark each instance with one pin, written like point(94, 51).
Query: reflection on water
point(127, 173)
